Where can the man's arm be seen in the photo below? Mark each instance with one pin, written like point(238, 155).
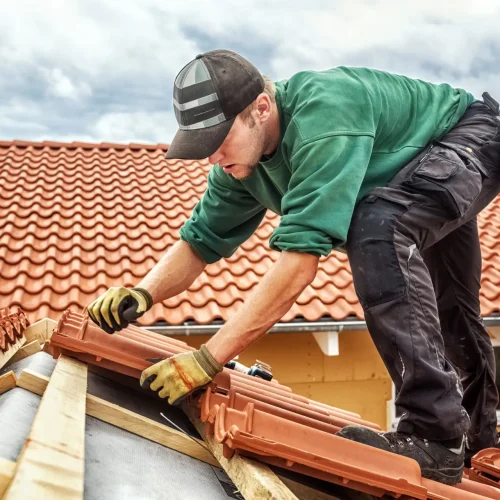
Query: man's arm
point(173, 273)
point(225, 217)
point(267, 303)
point(174, 378)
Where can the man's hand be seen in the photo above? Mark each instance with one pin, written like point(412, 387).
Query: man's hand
point(180, 375)
point(113, 310)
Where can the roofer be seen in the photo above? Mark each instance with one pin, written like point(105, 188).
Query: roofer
point(390, 169)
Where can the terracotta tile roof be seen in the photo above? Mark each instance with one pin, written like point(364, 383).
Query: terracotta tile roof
point(265, 420)
point(76, 218)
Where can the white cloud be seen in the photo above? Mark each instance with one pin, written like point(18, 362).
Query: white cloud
point(103, 40)
point(60, 85)
point(143, 127)
point(21, 118)
point(106, 69)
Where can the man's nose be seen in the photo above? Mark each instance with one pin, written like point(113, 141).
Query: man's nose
point(216, 157)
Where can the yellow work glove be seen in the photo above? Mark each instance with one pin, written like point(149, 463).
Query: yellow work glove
point(113, 310)
point(180, 375)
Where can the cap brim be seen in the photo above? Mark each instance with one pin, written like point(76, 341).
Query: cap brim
point(198, 144)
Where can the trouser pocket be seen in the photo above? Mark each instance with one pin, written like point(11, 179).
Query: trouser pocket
point(451, 177)
point(489, 153)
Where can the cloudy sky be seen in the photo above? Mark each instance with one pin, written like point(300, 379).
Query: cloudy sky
point(103, 70)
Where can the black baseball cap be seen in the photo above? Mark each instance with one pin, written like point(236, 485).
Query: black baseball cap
point(208, 94)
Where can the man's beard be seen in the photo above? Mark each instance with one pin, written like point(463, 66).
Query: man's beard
point(255, 154)
point(251, 170)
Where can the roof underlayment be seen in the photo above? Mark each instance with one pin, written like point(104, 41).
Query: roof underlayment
point(267, 421)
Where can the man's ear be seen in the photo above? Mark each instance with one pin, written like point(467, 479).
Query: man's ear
point(263, 107)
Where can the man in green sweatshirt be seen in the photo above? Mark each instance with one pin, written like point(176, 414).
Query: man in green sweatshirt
point(390, 169)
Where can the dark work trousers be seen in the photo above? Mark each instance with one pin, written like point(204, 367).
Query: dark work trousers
point(414, 252)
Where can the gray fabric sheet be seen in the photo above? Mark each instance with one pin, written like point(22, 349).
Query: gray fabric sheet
point(121, 465)
point(17, 409)
point(118, 465)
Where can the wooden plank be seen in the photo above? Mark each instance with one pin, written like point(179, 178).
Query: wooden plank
point(156, 432)
point(25, 351)
point(253, 479)
point(305, 492)
point(40, 330)
point(51, 464)
point(7, 381)
point(7, 355)
point(6, 472)
point(127, 420)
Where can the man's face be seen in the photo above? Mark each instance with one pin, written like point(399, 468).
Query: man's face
point(242, 148)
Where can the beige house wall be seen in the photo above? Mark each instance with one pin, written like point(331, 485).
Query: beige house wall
point(355, 380)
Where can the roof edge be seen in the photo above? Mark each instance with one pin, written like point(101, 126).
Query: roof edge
point(303, 326)
point(82, 145)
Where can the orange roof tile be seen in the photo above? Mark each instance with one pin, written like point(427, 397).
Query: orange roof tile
point(265, 420)
point(132, 349)
point(76, 218)
point(12, 326)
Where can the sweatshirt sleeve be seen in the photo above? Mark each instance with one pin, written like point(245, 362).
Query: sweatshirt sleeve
point(223, 219)
point(327, 174)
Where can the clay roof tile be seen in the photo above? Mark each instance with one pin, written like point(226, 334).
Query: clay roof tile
point(78, 217)
point(265, 420)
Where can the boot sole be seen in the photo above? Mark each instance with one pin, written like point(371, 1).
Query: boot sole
point(445, 476)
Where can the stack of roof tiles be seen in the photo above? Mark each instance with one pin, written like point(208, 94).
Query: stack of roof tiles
point(77, 218)
point(486, 467)
point(267, 421)
point(12, 326)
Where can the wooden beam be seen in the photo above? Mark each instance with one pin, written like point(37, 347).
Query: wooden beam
point(6, 472)
point(25, 351)
point(253, 479)
point(128, 420)
point(7, 381)
point(305, 492)
point(40, 330)
point(51, 464)
point(7, 355)
point(149, 429)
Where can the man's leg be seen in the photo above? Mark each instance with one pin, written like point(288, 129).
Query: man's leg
point(454, 264)
point(436, 193)
point(395, 289)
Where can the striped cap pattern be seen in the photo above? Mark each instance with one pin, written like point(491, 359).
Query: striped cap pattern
point(196, 103)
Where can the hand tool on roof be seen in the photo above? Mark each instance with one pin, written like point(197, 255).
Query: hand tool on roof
point(181, 375)
point(259, 369)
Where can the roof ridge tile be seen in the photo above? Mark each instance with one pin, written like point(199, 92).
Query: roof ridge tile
point(83, 145)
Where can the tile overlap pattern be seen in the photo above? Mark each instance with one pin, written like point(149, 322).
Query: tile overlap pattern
point(76, 218)
point(267, 421)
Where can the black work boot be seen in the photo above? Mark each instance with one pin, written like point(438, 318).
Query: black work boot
point(437, 461)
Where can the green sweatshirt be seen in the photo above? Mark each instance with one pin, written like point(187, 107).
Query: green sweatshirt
point(344, 131)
